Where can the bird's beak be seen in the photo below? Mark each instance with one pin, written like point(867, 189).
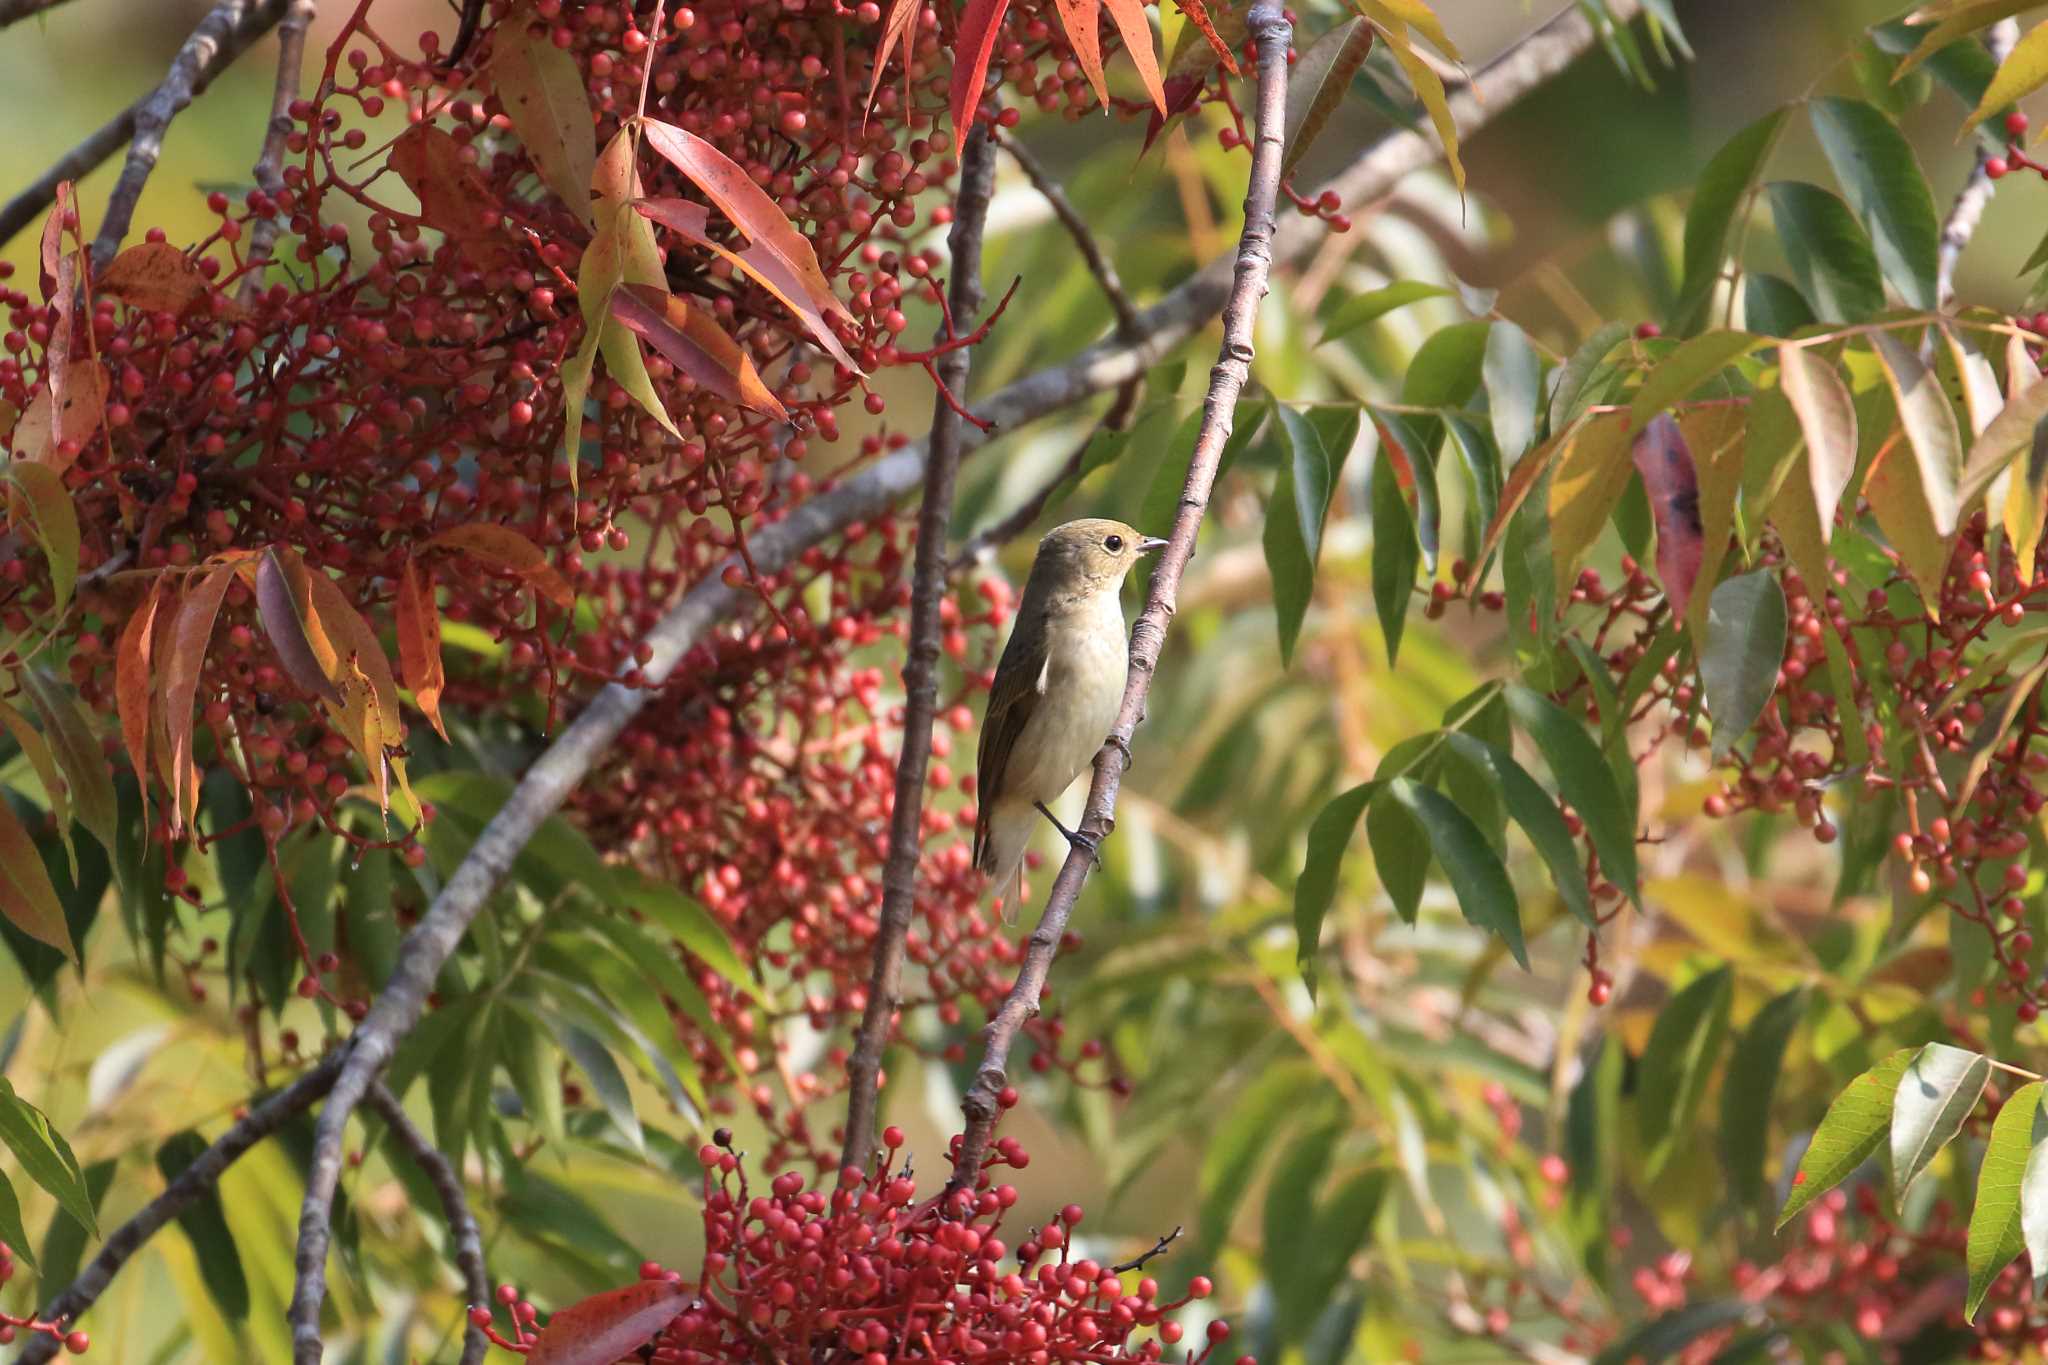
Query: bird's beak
point(1151, 543)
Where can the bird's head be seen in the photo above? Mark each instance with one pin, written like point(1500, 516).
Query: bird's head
point(1092, 555)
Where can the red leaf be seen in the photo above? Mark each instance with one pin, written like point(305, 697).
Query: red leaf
point(1665, 462)
point(980, 22)
point(809, 301)
point(607, 1326)
point(694, 344)
point(452, 195)
point(1082, 20)
point(901, 15)
point(132, 686)
point(283, 602)
point(1181, 94)
point(191, 632)
point(507, 549)
point(419, 644)
point(154, 276)
point(1199, 17)
point(1137, 34)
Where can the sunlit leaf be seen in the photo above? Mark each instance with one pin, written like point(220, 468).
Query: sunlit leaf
point(1692, 364)
point(1930, 424)
point(1361, 309)
point(689, 340)
point(190, 633)
point(607, 1326)
point(1849, 1133)
point(419, 643)
point(1827, 418)
point(503, 548)
point(1318, 83)
point(452, 193)
point(1589, 480)
point(1939, 1088)
point(134, 684)
point(1422, 78)
point(45, 1157)
point(1996, 1236)
point(1898, 499)
point(2024, 71)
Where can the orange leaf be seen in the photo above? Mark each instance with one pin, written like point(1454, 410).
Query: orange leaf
point(284, 604)
point(1589, 480)
point(605, 1327)
point(452, 195)
point(507, 549)
point(764, 267)
point(694, 344)
point(155, 276)
point(1198, 15)
point(1082, 19)
point(60, 413)
point(132, 686)
point(975, 43)
point(1137, 33)
point(1521, 481)
point(360, 662)
point(901, 14)
point(60, 285)
point(191, 632)
point(419, 644)
point(26, 895)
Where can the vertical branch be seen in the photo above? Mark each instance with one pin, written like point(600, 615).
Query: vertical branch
point(1975, 195)
point(1270, 28)
point(920, 679)
point(467, 1242)
point(269, 170)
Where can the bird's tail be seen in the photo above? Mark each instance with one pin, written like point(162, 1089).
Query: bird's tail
point(1001, 858)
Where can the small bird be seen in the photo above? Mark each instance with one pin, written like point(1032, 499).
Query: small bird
point(1056, 691)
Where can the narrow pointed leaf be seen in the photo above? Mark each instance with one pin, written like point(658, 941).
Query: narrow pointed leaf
point(689, 340)
point(53, 520)
point(2024, 71)
point(1512, 374)
point(1136, 31)
point(45, 1157)
point(1723, 186)
point(190, 635)
point(78, 753)
point(1318, 82)
point(1996, 1236)
point(1744, 648)
point(1361, 309)
point(542, 90)
point(134, 685)
point(1749, 1087)
point(1533, 809)
point(501, 547)
point(1670, 481)
point(1588, 482)
point(1930, 424)
point(27, 898)
point(1314, 891)
point(204, 1222)
point(1937, 1092)
point(419, 643)
point(1827, 419)
point(1485, 894)
point(1692, 364)
point(1831, 258)
point(1849, 1134)
point(1684, 1048)
point(1878, 171)
point(1584, 780)
point(606, 1327)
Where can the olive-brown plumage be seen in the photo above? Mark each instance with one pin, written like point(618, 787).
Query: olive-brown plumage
point(1056, 691)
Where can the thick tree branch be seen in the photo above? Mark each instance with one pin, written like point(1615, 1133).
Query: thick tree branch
point(467, 1241)
point(920, 667)
point(223, 35)
point(865, 495)
point(192, 1182)
point(269, 169)
point(1975, 195)
point(1270, 29)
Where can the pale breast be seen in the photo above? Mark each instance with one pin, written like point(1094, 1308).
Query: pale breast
point(1087, 662)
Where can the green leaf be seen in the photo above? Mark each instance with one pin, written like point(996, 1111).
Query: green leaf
point(45, 1156)
point(1532, 808)
point(1725, 182)
point(1664, 1336)
point(558, 859)
point(1930, 424)
point(1248, 1130)
point(11, 1230)
point(1317, 82)
point(1293, 535)
point(2034, 1206)
point(1400, 854)
point(1513, 376)
point(530, 1061)
point(1995, 1232)
point(1690, 365)
point(1877, 169)
point(1361, 309)
point(2019, 75)
point(1568, 392)
point(1585, 782)
point(1744, 649)
point(1749, 1087)
point(1851, 1130)
point(1957, 22)
point(691, 925)
point(1772, 305)
point(54, 521)
point(1396, 554)
point(1447, 368)
point(1329, 834)
point(78, 753)
point(1683, 1048)
point(595, 1061)
point(205, 1222)
point(1290, 1211)
point(1415, 441)
point(64, 1239)
point(1938, 1091)
point(1485, 894)
point(1830, 256)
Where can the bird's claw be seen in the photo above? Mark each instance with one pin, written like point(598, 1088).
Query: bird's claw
point(1088, 843)
point(1122, 746)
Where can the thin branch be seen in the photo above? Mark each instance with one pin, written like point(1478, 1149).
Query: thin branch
point(984, 543)
point(467, 1240)
point(1270, 29)
point(1138, 1262)
point(269, 169)
point(192, 1182)
point(1978, 187)
point(920, 667)
point(863, 496)
point(213, 46)
point(14, 11)
point(222, 36)
point(1097, 260)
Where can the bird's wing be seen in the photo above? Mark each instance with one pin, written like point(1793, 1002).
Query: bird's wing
point(1014, 697)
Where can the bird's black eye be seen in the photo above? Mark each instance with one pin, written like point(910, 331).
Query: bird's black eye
point(1114, 544)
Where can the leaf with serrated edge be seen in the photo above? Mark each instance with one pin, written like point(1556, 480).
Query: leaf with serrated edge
point(1936, 1094)
point(1849, 1133)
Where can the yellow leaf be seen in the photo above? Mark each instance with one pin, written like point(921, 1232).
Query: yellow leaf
point(1416, 15)
point(2022, 73)
point(26, 896)
point(1899, 502)
point(543, 93)
point(1590, 478)
point(1952, 20)
point(1428, 86)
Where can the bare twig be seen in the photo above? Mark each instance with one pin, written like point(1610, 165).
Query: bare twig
point(467, 1241)
point(269, 170)
point(1271, 31)
point(1097, 260)
point(1138, 1262)
point(213, 46)
point(920, 678)
point(985, 542)
point(712, 602)
point(14, 11)
point(222, 35)
point(266, 1118)
point(1977, 189)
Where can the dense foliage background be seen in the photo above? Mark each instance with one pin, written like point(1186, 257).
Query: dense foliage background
point(1751, 800)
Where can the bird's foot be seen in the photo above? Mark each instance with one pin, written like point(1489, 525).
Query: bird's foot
point(1122, 746)
point(1087, 843)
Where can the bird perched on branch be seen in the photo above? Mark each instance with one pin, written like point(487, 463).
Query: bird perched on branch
point(1056, 692)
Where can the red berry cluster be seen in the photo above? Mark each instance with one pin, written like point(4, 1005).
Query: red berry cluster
point(857, 1271)
point(11, 1327)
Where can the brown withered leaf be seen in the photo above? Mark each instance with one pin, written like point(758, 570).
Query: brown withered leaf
point(154, 276)
point(543, 93)
point(60, 413)
point(504, 548)
point(419, 643)
point(452, 195)
point(26, 896)
point(191, 633)
point(133, 685)
point(695, 345)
